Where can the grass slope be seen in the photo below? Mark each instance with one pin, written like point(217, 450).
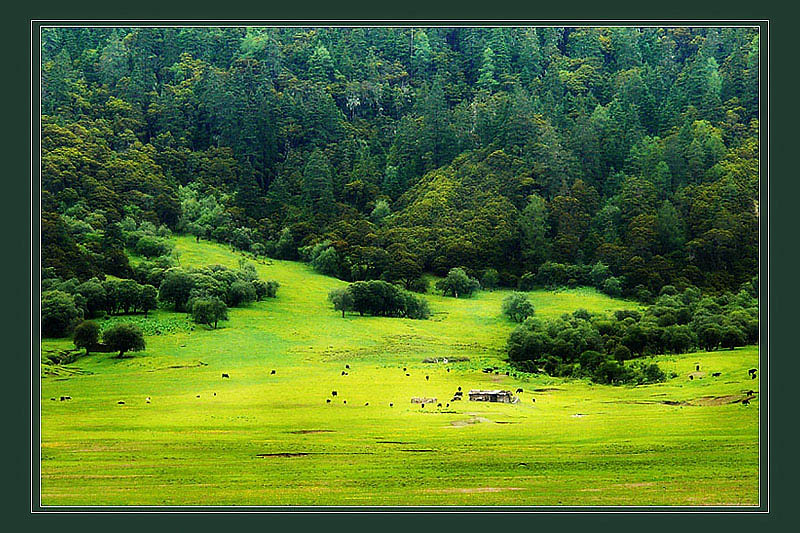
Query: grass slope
point(263, 439)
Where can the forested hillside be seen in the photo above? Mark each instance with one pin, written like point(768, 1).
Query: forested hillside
point(625, 158)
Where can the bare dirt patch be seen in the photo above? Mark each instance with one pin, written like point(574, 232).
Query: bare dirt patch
point(546, 389)
point(470, 421)
point(309, 431)
point(719, 400)
point(472, 490)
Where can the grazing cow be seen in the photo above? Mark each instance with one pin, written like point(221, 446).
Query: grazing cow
point(438, 405)
point(407, 375)
point(448, 405)
point(422, 405)
point(427, 378)
point(391, 405)
point(697, 367)
point(215, 394)
point(753, 376)
point(68, 397)
point(448, 370)
point(366, 404)
point(271, 372)
point(533, 400)
point(63, 398)
point(745, 402)
point(750, 392)
point(334, 393)
point(459, 388)
point(120, 402)
point(53, 399)
point(344, 373)
point(716, 374)
point(507, 373)
point(198, 395)
point(691, 377)
point(147, 399)
point(519, 390)
point(328, 400)
point(344, 402)
point(347, 366)
point(752, 371)
point(225, 376)
point(404, 369)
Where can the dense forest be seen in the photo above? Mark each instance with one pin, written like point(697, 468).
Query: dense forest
point(623, 158)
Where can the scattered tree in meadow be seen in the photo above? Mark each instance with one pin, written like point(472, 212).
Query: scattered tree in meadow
point(458, 283)
point(124, 337)
point(341, 299)
point(209, 311)
point(86, 335)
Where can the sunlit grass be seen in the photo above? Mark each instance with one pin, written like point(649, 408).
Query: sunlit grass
point(577, 444)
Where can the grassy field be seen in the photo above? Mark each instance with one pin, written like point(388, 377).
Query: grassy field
point(271, 439)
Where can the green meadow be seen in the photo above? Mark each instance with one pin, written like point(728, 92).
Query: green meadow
point(260, 438)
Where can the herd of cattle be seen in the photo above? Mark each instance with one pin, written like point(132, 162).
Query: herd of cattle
point(458, 395)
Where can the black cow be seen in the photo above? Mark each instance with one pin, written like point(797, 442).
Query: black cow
point(691, 377)
point(438, 405)
point(344, 402)
point(745, 402)
point(448, 405)
point(391, 405)
point(198, 395)
point(63, 398)
point(459, 388)
point(52, 399)
point(225, 376)
point(334, 393)
point(272, 372)
point(427, 378)
point(347, 366)
point(422, 405)
point(697, 367)
point(328, 400)
point(120, 402)
point(716, 374)
point(750, 392)
point(752, 371)
point(533, 400)
point(519, 390)
point(507, 373)
point(753, 376)
point(407, 375)
point(366, 404)
point(344, 373)
point(448, 370)
point(404, 369)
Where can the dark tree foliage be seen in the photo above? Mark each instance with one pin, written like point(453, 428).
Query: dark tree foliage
point(409, 150)
point(124, 337)
point(379, 298)
point(582, 344)
point(86, 335)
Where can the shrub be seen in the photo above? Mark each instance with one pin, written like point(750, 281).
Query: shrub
point(458, 283)
point(517, 306)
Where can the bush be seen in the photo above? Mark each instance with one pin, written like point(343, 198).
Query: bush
point(517, 306)
point(612, 287)
point(241, 292)
point(150, 246)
